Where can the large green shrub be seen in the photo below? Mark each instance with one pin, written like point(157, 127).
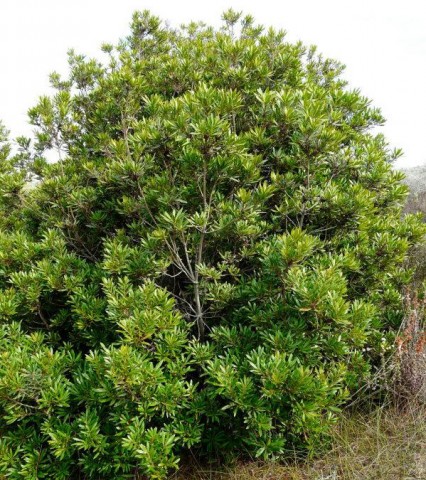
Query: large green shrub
point(212, 262)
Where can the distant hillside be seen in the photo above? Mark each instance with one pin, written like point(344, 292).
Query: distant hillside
point(416, 178)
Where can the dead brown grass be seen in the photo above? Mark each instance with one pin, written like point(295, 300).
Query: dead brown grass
point(387, 444)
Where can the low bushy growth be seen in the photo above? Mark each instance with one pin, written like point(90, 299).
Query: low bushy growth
point(409, 365)
point(214, 261)
point(416, 204)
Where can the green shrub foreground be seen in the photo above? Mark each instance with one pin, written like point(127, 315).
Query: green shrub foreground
point(214, 261)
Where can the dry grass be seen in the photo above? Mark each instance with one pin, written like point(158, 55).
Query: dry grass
point(386, 444)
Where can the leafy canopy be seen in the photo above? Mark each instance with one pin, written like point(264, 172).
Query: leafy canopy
point(214, 260)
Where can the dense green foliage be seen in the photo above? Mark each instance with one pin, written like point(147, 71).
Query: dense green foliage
point(214, 260)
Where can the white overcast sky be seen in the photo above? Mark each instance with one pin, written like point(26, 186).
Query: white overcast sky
point(382, 43)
